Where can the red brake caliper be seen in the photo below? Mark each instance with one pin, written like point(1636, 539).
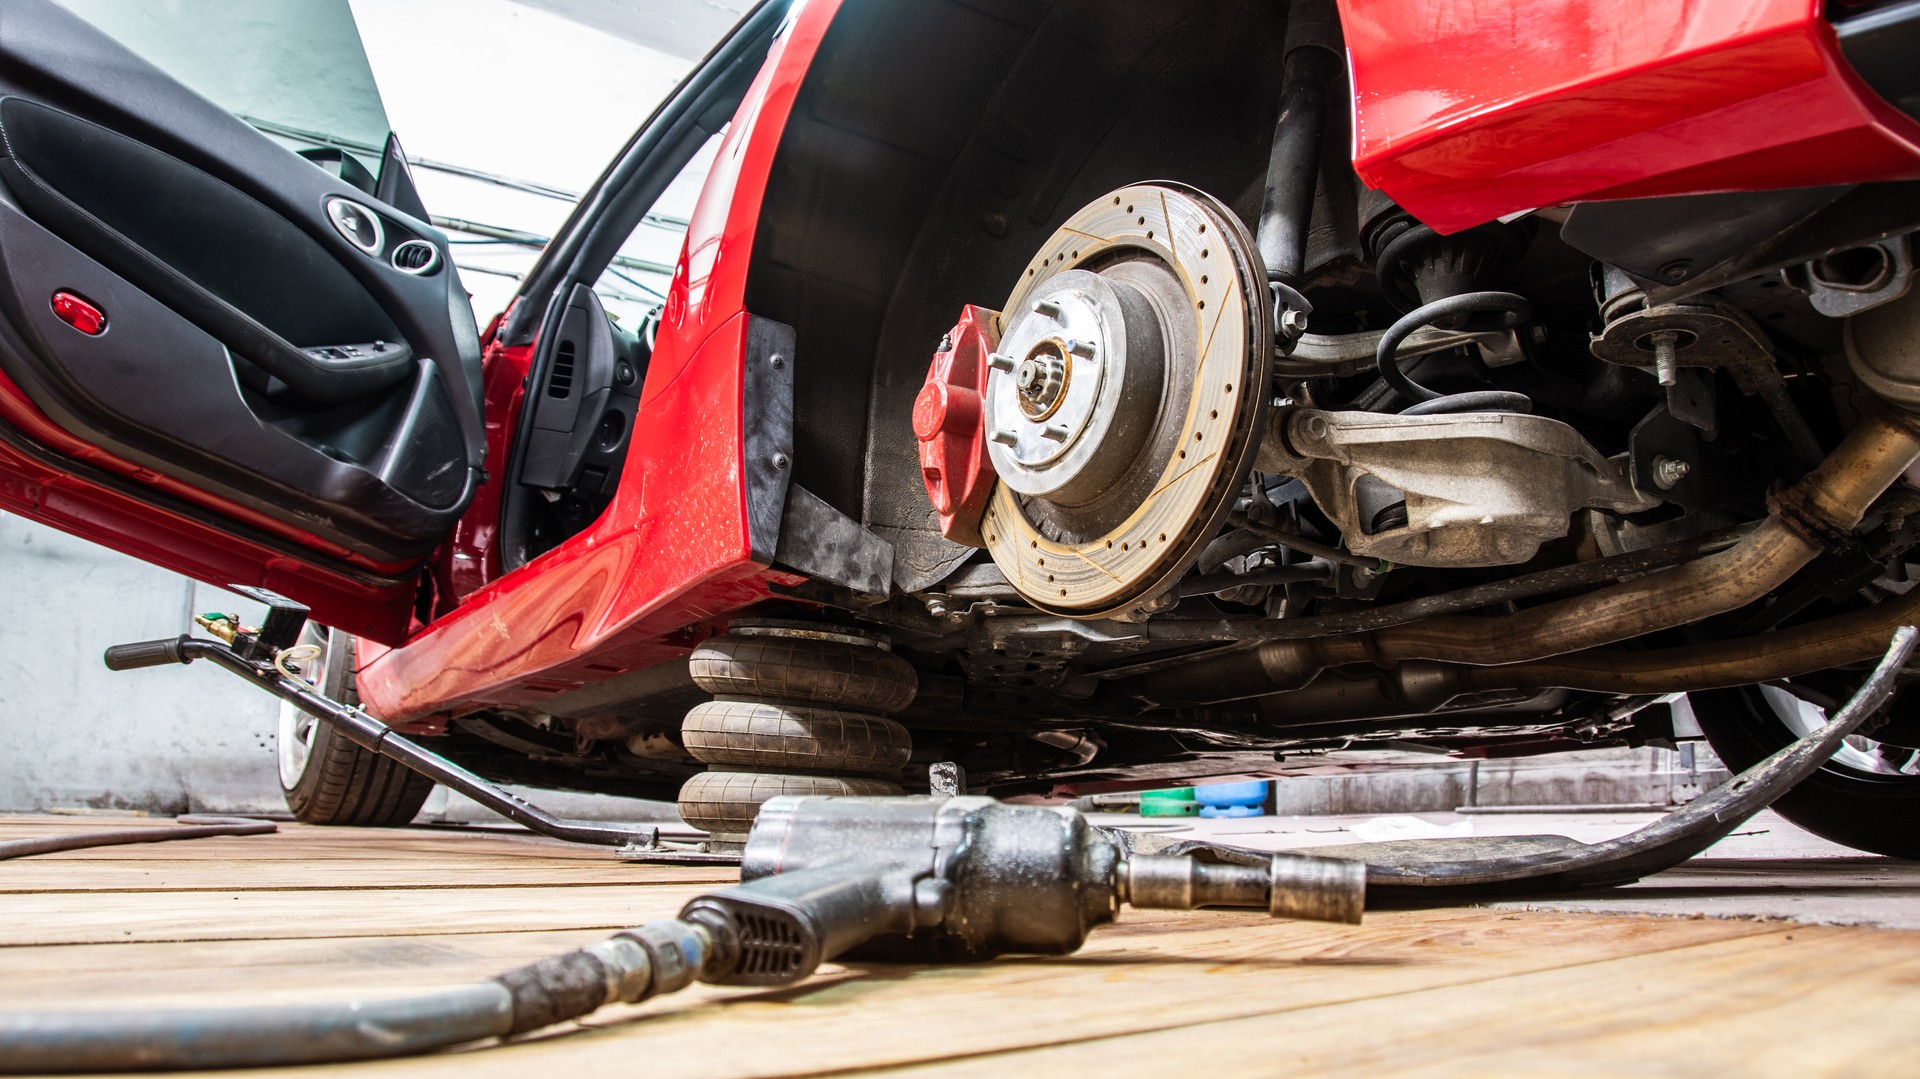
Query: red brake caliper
point(947, 421)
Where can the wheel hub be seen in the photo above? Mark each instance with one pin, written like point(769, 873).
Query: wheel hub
point(1073, 390)
point(1124, 400)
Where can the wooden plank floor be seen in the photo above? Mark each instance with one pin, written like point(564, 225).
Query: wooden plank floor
point(336, 912)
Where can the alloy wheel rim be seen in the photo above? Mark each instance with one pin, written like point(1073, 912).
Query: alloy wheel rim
point(294, 738)
point(1858, 753)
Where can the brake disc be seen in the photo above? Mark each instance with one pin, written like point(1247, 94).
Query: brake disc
point(1125, 401)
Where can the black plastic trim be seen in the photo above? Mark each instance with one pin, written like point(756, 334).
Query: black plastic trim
point(1883, 45)
point(52, 159)
point(766, 415)
point(395, 186)
point(823, 543)
point(162, 393)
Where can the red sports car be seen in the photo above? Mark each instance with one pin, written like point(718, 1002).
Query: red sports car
point(1080, 391)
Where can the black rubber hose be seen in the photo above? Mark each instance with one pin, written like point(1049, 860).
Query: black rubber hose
point(1512, 309)
point(191, 827)
point(661, 956)
point(240, 1037)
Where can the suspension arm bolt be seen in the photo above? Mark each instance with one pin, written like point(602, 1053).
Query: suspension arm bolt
point(1669, 471)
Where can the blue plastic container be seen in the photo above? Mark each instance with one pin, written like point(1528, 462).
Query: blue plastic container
point(1232, 799)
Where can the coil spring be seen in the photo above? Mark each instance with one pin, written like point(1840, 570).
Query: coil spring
point(1511, 309)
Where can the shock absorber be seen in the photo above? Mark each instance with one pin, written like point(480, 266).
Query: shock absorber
point(1436, 280)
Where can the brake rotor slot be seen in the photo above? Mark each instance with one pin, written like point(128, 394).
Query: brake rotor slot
point(1125, 398)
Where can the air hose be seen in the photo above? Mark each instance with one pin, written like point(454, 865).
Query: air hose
point(659, 957)
point(189, 827)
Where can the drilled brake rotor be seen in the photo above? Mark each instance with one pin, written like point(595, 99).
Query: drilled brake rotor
point(1124, 403)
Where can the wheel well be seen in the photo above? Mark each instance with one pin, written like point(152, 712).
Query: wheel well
point(932, 150)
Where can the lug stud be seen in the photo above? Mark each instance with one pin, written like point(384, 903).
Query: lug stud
point(1053, 432)
point(1005, 438)
point(1082, 349)
point(1047, 308)
point(1000, 361)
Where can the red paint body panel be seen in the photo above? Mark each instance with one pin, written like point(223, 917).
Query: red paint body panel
point(1466, 111)
point(471, 556)
point(670, 558)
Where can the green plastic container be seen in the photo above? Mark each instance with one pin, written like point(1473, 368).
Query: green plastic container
point(1178, 802)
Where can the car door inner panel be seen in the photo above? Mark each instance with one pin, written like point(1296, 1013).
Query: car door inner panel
point(262, 329)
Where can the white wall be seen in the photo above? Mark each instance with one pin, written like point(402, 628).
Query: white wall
point(72, 733)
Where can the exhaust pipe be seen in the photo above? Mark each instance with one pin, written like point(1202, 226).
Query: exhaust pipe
point(1417, 688)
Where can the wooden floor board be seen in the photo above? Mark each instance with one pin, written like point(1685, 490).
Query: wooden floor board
point(336, 913)
point(111, 917)
point(344, 873)
point(1784, 1002)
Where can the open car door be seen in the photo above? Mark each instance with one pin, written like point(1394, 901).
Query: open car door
point(214, 355)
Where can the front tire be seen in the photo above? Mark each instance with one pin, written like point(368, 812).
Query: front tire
point(328, 779)
point(1867, 797)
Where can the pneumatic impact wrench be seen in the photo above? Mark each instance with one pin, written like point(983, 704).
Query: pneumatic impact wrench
point(892, 879)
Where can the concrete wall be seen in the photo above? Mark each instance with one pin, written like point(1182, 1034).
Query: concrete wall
point(164, 740)
point(168, 739)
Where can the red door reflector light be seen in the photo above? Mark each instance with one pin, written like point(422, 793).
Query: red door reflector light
point(78, 313)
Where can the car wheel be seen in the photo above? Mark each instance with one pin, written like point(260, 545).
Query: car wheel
point(328, 779)
point(1866, 797)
